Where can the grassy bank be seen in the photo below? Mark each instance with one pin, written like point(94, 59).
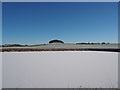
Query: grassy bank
point(64, 47)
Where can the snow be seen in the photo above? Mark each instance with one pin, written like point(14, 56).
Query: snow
point(60, 69)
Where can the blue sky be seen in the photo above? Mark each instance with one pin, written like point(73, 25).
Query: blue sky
point(72, 22)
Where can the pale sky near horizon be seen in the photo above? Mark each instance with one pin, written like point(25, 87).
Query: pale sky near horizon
point(72, 22)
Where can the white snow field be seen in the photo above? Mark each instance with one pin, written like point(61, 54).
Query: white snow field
point(0, 70)
point(60, 69)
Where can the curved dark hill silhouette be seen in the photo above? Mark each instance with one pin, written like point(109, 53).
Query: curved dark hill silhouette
point(56, 41)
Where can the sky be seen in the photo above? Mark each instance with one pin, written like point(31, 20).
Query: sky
point(71, 22)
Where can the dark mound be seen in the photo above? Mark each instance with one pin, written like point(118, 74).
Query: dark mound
point(56, 41)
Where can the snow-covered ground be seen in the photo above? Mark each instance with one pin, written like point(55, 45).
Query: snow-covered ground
point(60, 69)
point(0, 70)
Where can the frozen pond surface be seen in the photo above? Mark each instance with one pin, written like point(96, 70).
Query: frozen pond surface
point(60, 69)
